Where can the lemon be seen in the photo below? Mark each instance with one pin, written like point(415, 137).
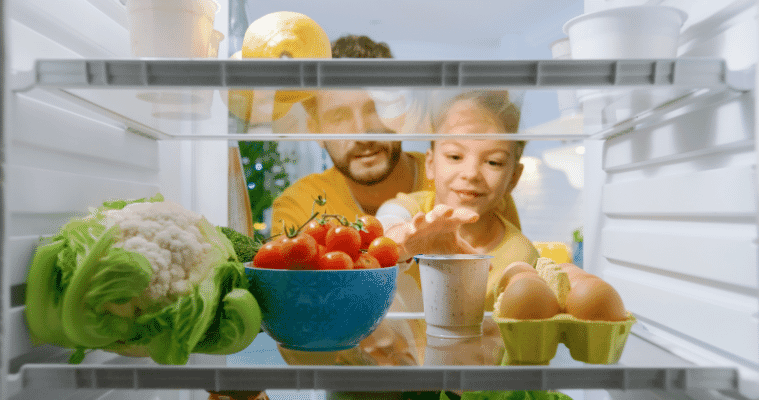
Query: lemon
point(285, 34)
point(281, 34)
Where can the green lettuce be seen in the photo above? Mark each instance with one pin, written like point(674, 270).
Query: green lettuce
point(85, 292)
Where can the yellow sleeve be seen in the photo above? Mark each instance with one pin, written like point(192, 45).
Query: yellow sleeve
point(515, 247)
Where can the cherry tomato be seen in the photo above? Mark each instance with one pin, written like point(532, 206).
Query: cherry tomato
point(345, 239)
point(366, 261)
point(270, 255)
point(317, 230)
point(300, 249)
point(320, 250)
point(335, 260)
point(385, 250)
point(374, 230)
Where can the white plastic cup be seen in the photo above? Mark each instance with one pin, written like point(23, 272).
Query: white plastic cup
point(196, 104)
point(171, 28)
point(453, 293)
point(454, 351)
point(626, 32)
point(632, 32)
point(568, 104)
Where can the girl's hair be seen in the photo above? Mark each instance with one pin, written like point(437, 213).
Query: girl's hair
point(496, 102)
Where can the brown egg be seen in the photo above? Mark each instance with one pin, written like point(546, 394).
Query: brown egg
point(511, 270)
point(590, 298)
point(574, 272)
point(527, 297)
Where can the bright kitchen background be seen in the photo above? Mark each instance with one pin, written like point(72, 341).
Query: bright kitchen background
point(549, 200)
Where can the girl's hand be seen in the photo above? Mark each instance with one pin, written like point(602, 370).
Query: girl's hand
point(436, 232)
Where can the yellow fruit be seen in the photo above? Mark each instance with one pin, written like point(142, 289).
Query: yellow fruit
point(240, 102)
point(281, 34)
point(285, 34)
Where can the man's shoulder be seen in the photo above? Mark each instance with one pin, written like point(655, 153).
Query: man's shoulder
point(316, 182)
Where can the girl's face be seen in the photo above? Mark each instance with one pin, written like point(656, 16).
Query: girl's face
point(472, 174)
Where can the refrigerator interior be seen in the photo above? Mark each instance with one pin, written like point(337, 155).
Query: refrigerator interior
point(667, 199)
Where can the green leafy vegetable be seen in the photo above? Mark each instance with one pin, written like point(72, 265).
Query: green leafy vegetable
point(143, 278)
point(245, 246)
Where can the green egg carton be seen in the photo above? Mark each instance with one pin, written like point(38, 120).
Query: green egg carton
point(534, 342)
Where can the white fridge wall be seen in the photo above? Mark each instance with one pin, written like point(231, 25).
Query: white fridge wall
point(676, 233)
point(61, 159)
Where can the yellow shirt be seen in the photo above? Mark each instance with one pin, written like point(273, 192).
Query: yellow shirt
point(513, 247)
point(294, 205)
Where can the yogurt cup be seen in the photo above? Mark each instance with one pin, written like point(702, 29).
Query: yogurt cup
point(453, 293)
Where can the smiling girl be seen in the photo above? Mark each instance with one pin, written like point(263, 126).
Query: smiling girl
point(465, 213)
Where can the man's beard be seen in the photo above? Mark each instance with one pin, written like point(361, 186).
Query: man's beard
point(393, 159)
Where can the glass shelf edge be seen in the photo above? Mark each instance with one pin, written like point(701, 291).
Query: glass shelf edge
point(375, 137)
point(419, 74)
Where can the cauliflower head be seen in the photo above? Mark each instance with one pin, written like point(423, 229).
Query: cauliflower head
point(180, 245)
point(142, 277)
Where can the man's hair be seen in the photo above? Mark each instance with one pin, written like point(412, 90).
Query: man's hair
point(351, 46)
point(496, 102)
point(354, 46)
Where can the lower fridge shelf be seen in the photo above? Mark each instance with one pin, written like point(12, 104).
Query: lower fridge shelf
point(466, 378)
point(644, 366)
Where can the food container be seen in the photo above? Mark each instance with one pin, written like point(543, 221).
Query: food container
point(626, 32)
point(633, 32)
point(197, 103)
point(326, 310)
point(453, 292)
point(568, 104)
point(534, 342)
point(173, 29)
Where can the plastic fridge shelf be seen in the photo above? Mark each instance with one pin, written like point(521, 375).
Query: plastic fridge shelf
point(531, 74)
point(643, 366)
point(465, 378)
point(108, 87)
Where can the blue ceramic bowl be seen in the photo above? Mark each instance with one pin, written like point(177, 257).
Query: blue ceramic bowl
point(322, 310)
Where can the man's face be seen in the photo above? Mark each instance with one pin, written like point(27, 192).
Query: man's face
point(353, 111)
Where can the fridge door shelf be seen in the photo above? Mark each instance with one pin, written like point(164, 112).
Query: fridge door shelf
point(105, 86)
point(687, 102)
